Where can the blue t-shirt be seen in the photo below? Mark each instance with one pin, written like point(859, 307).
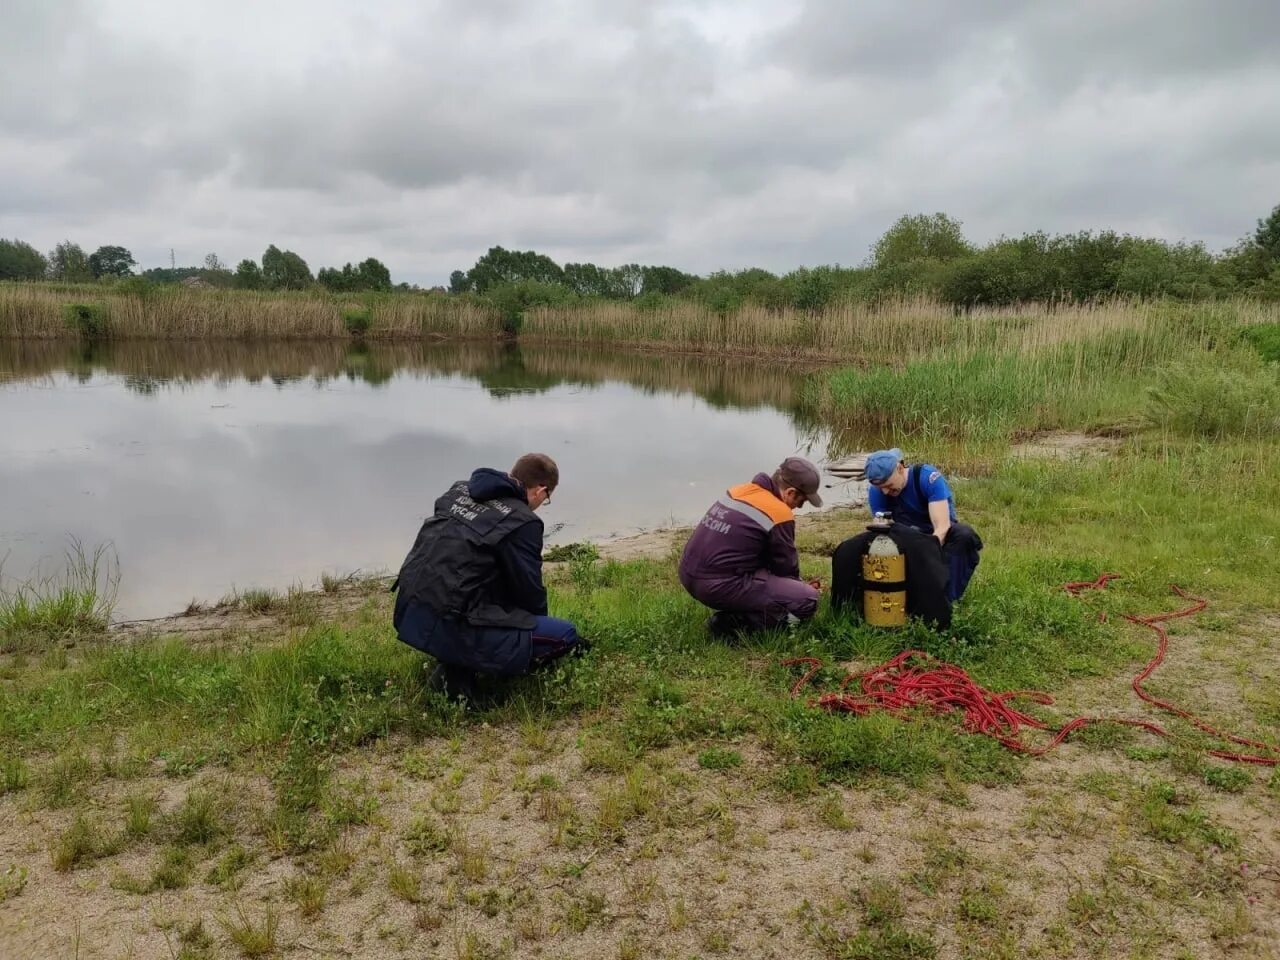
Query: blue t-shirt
point(907, 507)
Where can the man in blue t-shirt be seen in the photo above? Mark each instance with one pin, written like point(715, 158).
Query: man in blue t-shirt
point(918, 496)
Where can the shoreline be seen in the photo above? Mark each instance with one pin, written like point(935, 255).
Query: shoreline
point(350, 592)
point(713, 351)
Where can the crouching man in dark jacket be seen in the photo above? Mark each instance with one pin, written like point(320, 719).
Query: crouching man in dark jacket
point(742, 561)
point(470, 590)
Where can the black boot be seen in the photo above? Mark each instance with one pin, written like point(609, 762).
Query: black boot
point(724, 625)
point(456, 683)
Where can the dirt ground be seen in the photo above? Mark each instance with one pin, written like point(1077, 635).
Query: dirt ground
point(484, 847)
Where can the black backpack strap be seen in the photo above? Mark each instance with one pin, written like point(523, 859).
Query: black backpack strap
point(915, 485)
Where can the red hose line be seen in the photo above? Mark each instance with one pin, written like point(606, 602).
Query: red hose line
point(916, 679)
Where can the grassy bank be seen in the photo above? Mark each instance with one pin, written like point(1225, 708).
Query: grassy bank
point(1199, 372)
point(302, 791)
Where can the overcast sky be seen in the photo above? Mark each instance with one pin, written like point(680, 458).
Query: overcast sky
point(704, 135)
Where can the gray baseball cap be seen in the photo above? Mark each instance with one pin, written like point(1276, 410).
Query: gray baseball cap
point(804, 476)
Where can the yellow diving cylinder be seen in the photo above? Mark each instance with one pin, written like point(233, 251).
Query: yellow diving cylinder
point(884, 578)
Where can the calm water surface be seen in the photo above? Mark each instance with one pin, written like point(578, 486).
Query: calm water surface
point(220, 466)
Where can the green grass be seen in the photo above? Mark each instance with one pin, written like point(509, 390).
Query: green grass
point(654, 679)
point(1224, 396)
point(718, 758)
point(50, 608)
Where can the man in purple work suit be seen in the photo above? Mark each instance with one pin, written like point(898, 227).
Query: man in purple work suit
point(741, 560)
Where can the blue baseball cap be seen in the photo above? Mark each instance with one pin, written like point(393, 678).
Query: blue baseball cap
point(881, 464)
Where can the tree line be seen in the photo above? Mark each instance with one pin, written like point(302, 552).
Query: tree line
point(278, 269)
point(922, 254)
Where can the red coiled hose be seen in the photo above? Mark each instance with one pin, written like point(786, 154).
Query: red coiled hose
point(916, 679)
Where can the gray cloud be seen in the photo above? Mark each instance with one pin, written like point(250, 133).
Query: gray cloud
point(704, 134)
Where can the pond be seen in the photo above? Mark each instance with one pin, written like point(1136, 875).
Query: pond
point(218, 466)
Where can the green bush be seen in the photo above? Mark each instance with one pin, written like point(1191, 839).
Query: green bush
point(512, 300)
point(87, 319)
point(1265, 338)
point(356, 320)
point(139, 287)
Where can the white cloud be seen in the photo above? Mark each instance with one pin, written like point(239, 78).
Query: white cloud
point(700, 134)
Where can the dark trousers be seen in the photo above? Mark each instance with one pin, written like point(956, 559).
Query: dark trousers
point(552, 639)
point(505, 651)
point(760, 600)
point(961, 550)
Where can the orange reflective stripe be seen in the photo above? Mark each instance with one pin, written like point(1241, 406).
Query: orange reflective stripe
point(764, 501)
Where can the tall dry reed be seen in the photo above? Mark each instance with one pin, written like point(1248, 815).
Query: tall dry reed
point(892, 331)
point(39, 311)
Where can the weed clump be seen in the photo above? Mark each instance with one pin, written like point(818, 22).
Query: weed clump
point(253, 938)
point(405, 883)
point(425, 836)
point(226, 872)
point(565, 552)
point(257, 600)
point(1170, 816)
point(50, 608)
point(14, 775)
point(139, 810)
point(12, 882)
point(200, 820)
point(62, 782)
point(173, 871)
point(1226, 779)
point(308, 893)
point(82, 842)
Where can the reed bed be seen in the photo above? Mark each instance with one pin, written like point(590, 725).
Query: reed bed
point(888, 331)
point(35, 311)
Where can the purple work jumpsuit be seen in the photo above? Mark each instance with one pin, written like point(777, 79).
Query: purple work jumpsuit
point(742, 558)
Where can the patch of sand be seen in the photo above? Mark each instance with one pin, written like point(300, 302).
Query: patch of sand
point(1066, 445)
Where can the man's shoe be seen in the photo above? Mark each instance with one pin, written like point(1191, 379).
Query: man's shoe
point(456, 683)
point(726, 626)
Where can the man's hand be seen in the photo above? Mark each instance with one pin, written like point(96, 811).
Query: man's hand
point(816, 583)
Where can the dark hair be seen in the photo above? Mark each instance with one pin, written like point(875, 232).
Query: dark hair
point(536, 470)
